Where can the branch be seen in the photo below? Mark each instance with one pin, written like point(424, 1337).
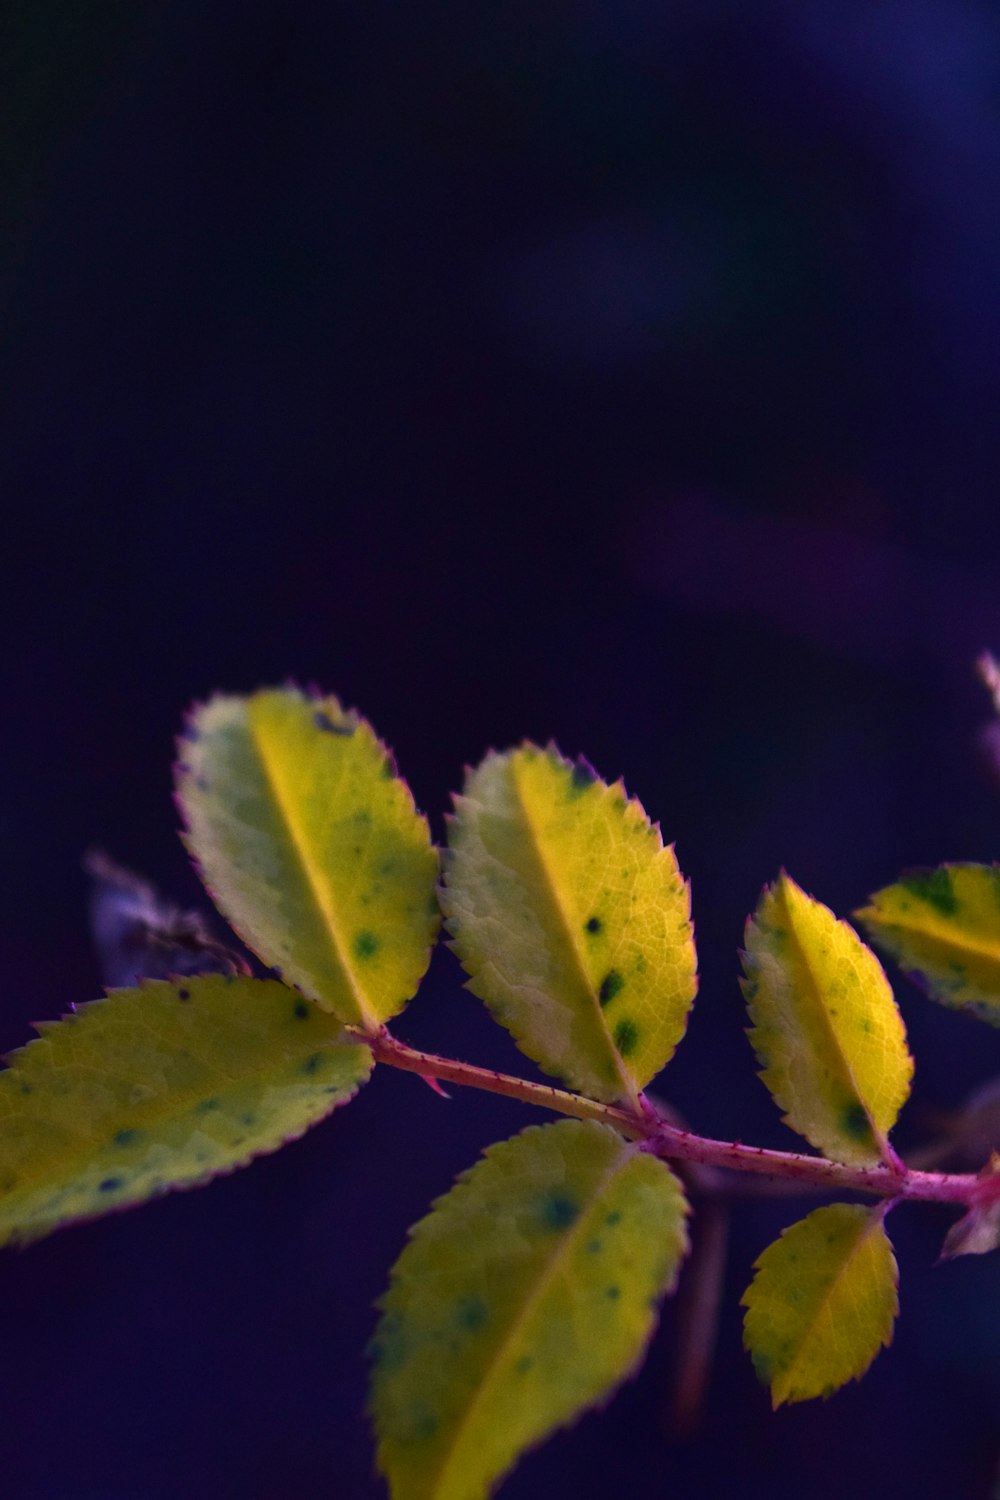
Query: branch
point(672, 1144)
point(427, 1065)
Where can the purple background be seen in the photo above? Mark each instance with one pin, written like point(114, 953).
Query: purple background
point(619, 372)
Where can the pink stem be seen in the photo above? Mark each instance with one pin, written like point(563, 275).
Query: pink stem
point(671, 1144)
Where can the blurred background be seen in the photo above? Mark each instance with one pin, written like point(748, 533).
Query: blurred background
point(623, 373)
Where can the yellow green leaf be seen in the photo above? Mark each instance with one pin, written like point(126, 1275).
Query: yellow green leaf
point(822, 1303)
point(311, 846)
point(525, 1296)
point(826, 1030)
point(162, 1086)
point(942, 927)
point(572, 920)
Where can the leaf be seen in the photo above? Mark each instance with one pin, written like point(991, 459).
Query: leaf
point(162, 1086)
point(312, 848)
point(572, 920)
point(822, 1303)
point(827, 1031)
point(942, 927)
point(525, 1296)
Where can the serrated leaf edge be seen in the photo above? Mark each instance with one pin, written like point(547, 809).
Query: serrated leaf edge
point(454, 942)
point(880, 1137)
point(880, 930)
point(78, 1012)
point(568, 1239)
point(369, 1021)
point(875, 1221)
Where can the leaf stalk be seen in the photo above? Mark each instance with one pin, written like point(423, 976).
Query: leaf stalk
point(813, 1173)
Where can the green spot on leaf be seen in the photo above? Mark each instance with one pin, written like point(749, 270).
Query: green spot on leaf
point(471, 1313)
point(559, 1211)
point(826, 1027)
point(184, 1077)
point(549, 1305)
point(822, 1302)
point(388, 1349)
point(933, 886)
point(531, 867)
point(582, 778)
point(943, 929)
point(856, 1122)
point(366, 945)
point(626, 1036)
point(290, 826)
point(611, 985)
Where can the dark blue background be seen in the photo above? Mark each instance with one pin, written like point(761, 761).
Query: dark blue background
point(619, 372)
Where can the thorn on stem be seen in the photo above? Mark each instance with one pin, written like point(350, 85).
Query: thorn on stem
point(432, 1083)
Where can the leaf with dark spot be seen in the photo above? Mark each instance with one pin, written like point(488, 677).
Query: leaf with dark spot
point(136, 1094)
point(942, 927)
point(499, 1327)
point(564, 906)
point(298, 829)
point(826, 1028)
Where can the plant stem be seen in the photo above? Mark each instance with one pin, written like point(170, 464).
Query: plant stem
point(670, 1143)
point(398, 1055)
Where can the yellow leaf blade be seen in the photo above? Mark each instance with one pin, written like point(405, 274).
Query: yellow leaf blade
point(942, 927)
point(822, 1303)
point(311, 846)
point(165, 1085)
point(524, 1297)
point(572, 920)
point(826, 1028)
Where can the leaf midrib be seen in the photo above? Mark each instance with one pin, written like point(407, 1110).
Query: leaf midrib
point(181, 1102)
point(945, 935)
point(80, 1147)
point(631, 1092)
point(827, 1023)
point(535, 1296)
point(327, 911)
point(873, 1222)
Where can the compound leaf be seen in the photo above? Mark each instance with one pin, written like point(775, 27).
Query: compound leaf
point(525, 1297)
point(571, 919)
point(162, 1086)
point(311, 846)
point(942, 927)
point(826, 1030)
point(822, 1303)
